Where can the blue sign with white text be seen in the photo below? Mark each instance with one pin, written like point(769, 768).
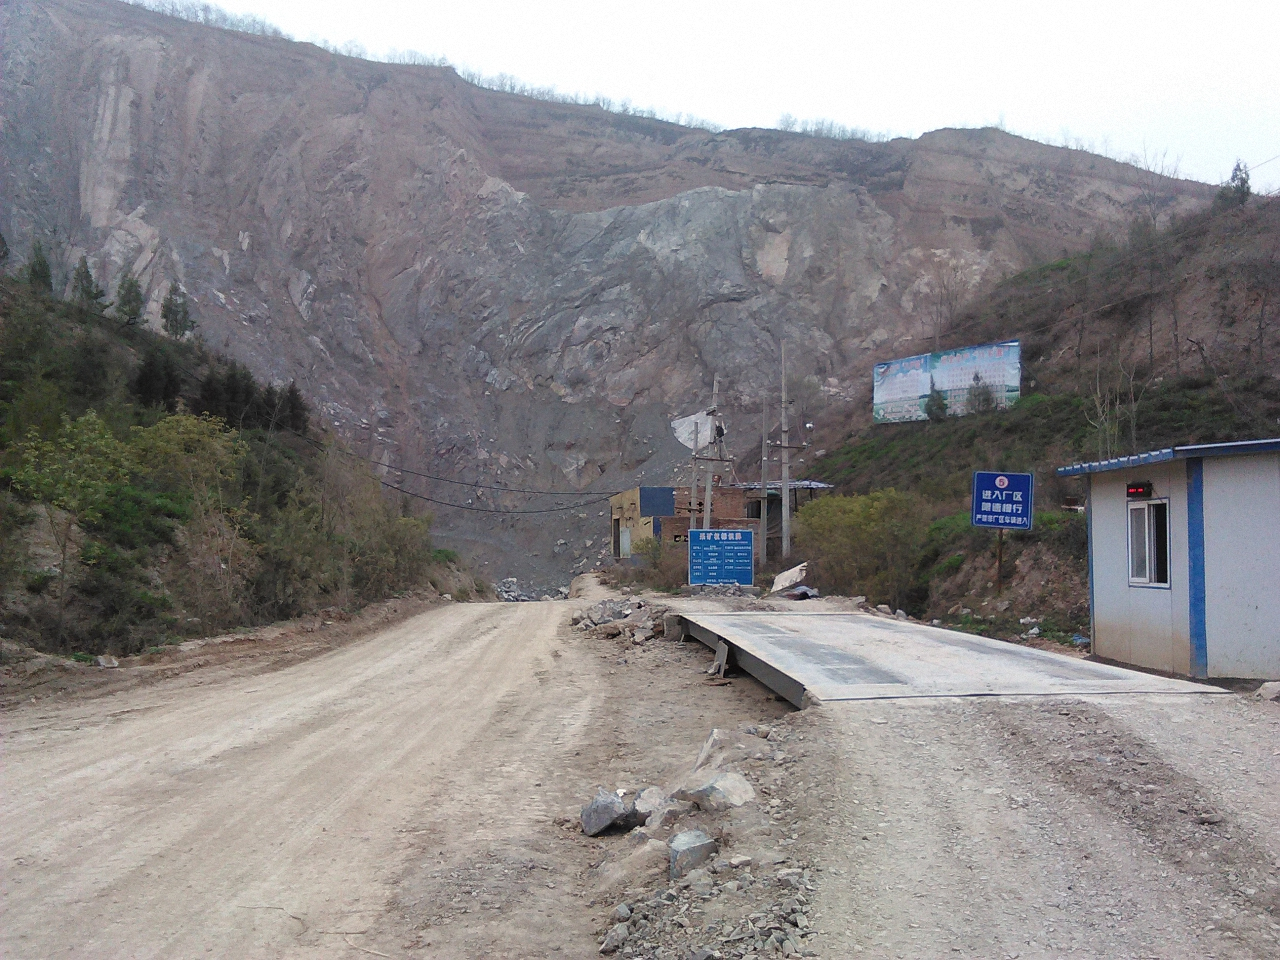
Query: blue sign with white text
point(722, 556)
point(1003, 501)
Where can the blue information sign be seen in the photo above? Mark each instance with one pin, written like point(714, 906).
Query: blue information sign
point(1003, 501)
point(722, 556)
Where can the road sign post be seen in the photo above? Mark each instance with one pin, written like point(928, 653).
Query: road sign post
point(1002, 501)
point(721, 556)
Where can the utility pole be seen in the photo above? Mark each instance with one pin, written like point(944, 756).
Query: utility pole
point(693, 480)
point(715, 403)
point(764, 479)
point(786, 464)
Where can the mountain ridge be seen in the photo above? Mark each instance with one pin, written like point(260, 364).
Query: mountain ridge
point(499, 288)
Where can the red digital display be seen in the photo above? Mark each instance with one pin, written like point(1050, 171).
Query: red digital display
point(1140, 491)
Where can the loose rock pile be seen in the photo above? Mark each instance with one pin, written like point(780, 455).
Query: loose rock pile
point(509, 591)
point(720, 590)
point(778, 924)
point(717, 903)
point(636, 619)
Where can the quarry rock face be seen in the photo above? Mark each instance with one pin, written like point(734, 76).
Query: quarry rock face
point(478, 287)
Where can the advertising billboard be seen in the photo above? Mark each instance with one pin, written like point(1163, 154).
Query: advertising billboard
point(901, 387)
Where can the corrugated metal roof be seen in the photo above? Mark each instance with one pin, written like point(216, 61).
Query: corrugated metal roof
point(1234, 448)
point(777, 485)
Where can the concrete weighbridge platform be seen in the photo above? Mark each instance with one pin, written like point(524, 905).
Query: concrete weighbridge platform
point(808, 657)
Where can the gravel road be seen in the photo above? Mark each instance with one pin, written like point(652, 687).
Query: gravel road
point(1116, 827)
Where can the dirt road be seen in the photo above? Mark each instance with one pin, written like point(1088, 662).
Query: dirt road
point(413, 794)
point(397, 795)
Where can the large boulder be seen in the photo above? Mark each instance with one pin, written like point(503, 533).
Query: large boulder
point(607, 810)
point(602, 812)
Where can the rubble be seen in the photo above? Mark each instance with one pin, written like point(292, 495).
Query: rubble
point(630, 618)
point(509, 590)
point(720, 590)
point(761, 894)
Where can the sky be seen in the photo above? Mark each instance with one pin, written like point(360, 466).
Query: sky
point(1190, 87)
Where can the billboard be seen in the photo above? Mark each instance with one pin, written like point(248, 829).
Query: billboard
point(901, 387)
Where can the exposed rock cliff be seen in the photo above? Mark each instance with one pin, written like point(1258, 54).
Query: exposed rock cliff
point(497, 289)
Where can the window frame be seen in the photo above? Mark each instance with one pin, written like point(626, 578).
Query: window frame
point(1148, 582)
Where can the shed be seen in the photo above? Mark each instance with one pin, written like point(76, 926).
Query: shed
point(1184, 558)
point(663, 513)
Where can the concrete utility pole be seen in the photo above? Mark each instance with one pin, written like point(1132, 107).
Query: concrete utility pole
point(764, 480)
point(786, 464)
point(693, 480)
point(715, 404)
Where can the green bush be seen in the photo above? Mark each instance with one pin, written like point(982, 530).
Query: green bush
point(868, 545)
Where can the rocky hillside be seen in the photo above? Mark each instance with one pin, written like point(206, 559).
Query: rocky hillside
point(488, 288)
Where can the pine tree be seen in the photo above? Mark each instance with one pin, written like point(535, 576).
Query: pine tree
point(1237, 191)
point(295, 409)
point(39, 275)
point(157, 382)
point(84, 289)
point(129, 298)
point(176, 314)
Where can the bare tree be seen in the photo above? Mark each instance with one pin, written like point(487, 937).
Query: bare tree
point(948, 291)
point(1263, 282)
point(1154, 193)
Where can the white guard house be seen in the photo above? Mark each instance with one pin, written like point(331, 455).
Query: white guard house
point(1184, 558)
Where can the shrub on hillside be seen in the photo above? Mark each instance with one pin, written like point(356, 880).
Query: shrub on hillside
point(867, 545)
point(165, 524)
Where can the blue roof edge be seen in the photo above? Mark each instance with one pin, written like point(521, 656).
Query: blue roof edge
point(1232, 448)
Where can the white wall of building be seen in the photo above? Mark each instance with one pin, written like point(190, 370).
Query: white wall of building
point(1242, 565)
point(1147, 626)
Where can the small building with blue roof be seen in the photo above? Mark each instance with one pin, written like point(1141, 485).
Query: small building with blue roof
point(1184, 558)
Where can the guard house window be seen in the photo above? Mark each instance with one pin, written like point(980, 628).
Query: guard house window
point(1149, 543)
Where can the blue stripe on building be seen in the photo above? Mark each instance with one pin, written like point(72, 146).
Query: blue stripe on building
point(1195, 563)
point(1088, 524)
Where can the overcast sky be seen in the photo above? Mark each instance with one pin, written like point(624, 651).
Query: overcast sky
point(1194, 84)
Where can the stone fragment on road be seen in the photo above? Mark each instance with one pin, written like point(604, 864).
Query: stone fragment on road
point(650, 800)
point(605, 809)
point(690, 849)
point(719, 792)
point(1269, 691)
point(615, 938)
